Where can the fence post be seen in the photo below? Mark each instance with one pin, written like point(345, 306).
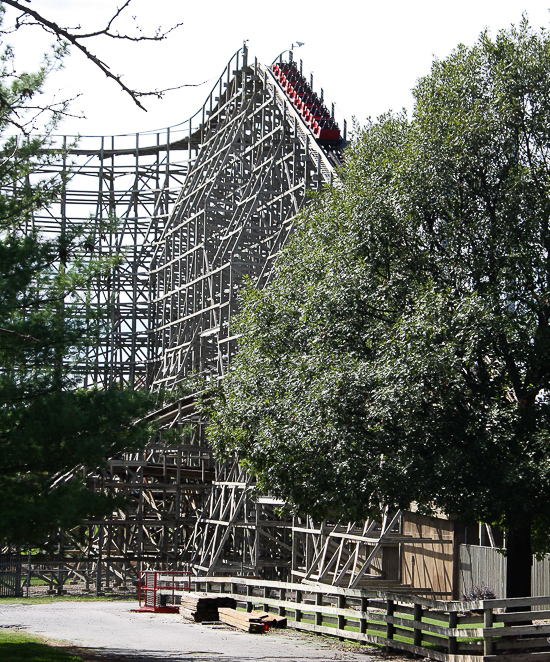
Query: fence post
point(389, 614)
point(61, 575)
point(363, 620)
point(108, 571)
point(319, 614)
point(298, 612)
point(29, 573)
point(341, 619)
point(487, 623)
point(18, 573)
point(51, 589)
point(282, 596)
point(266, 595)
point(249, 593)
point(453, 623)
point(417, 618)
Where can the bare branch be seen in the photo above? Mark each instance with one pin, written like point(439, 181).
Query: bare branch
point(159, 93)
point(127, 37)
point(17, 109)
point(20, 335)
point(72, 39)
point(69, 35)
point(112, 20)
point(158, 36)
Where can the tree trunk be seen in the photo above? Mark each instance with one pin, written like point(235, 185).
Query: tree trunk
point(519, 558)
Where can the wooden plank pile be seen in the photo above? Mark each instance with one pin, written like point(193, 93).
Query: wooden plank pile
point(249, 622)
point(201, 607)
point(253, 622)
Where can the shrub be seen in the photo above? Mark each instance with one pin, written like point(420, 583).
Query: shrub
point(482, 592)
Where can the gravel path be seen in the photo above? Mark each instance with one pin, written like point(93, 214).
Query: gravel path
point(111, 631)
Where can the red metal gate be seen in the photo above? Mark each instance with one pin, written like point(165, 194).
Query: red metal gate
point(159, 590)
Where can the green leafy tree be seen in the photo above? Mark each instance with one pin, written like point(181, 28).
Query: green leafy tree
point(402, 353)
point(51, 429)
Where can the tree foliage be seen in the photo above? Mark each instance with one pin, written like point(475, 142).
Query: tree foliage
point(402, 353)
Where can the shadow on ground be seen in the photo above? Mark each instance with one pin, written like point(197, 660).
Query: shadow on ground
point(116, 655)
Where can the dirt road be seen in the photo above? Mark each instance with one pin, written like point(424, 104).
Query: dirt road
point(111, 631)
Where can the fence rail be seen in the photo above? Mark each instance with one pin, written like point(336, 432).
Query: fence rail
point(440, 630)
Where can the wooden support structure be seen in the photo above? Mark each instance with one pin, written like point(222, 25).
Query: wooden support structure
point(256, 161)
point(191, 210)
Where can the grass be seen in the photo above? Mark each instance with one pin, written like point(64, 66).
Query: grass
point(45, 599)
point(397, 637)
point(23, 647)
point(38, 581)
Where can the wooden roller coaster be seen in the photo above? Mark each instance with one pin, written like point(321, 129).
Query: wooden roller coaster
point(201, 206)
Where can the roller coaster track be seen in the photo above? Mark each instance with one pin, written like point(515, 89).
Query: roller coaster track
point(256, 161)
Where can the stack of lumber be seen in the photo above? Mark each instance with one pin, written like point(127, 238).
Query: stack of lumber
point(254, 622)
point(201, 607)
point(240, 619)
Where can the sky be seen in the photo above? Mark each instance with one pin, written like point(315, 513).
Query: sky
point(366, 55)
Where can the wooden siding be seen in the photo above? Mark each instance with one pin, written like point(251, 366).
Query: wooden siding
point(482, 565)
point(428, 565)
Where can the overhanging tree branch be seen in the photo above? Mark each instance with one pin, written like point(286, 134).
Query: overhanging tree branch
point(72, 37)
point(21, 336)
